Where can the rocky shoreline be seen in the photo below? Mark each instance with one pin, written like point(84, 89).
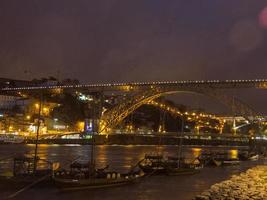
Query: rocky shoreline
point(251, 184)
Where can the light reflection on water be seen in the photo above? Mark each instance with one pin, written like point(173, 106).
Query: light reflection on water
point(117, 157)
point(196, 152)
point(123, 158)
point(233, 153)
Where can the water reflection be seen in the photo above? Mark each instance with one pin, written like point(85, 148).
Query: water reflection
point(122, 158)
point(102, 157)
point(233, 153)
point(196, 152)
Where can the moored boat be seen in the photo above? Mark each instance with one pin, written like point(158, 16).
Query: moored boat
point(219, 161)
point(24, 172)
point(153, 164)
point(157, 165)
point(11, 139)
point(86, 176)
point(182, 171)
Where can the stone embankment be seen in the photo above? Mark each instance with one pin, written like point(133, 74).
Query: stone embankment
point(251, 184)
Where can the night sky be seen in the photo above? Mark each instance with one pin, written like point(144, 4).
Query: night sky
point(126, 40)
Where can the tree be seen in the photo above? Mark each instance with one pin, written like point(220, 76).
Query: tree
point(70, 111)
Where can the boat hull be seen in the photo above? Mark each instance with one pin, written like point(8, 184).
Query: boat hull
point(182, 171)
point(97, 183)
point(148, 170)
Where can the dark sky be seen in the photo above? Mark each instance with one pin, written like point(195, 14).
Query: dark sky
point(131, 40)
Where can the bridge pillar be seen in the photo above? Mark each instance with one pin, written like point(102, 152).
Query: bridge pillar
point(93, 113)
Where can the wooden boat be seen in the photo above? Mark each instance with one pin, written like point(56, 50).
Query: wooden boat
point(181, 171)
point(182, 166)
point(156, 164)
point(153, 164)
point(219, 159)
point(85, 176)
point(112, 179)
point(24, 173)
point(94, 183)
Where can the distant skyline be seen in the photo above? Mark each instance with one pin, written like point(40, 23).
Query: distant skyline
point(122, 40)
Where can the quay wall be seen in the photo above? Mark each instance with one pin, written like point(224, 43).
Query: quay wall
point(133, 139)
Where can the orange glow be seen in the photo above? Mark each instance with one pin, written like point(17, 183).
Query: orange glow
point(80, 126)
point(196, 152)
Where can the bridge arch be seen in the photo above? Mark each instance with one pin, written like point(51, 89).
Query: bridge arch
point(113, 117)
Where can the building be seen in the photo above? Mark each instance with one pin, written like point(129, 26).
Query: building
point(8, 101)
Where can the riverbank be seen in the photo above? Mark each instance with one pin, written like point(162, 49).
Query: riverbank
point(251, 184)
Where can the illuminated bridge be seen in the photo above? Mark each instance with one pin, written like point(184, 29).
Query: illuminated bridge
point(139, 93)
point(218, 84)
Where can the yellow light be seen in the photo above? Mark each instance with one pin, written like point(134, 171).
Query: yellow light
point(28, 117)
point(36, 105)
point(196, 152)
point(80, 126)
point(233, 153)
point(45, 110)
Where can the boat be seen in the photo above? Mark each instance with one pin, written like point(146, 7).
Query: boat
point(24, 172)
point(84, 176)
point(218, 159)
point(182, 166)
point(11, 139)
point(182, 171)
point(153, 164)
point(156, 164)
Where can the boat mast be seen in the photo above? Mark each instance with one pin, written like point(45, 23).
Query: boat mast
point(92, 161)
point(181, 141)
point(92, 156)
point(37, 134)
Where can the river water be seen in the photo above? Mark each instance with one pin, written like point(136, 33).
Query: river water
point(123, 158)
